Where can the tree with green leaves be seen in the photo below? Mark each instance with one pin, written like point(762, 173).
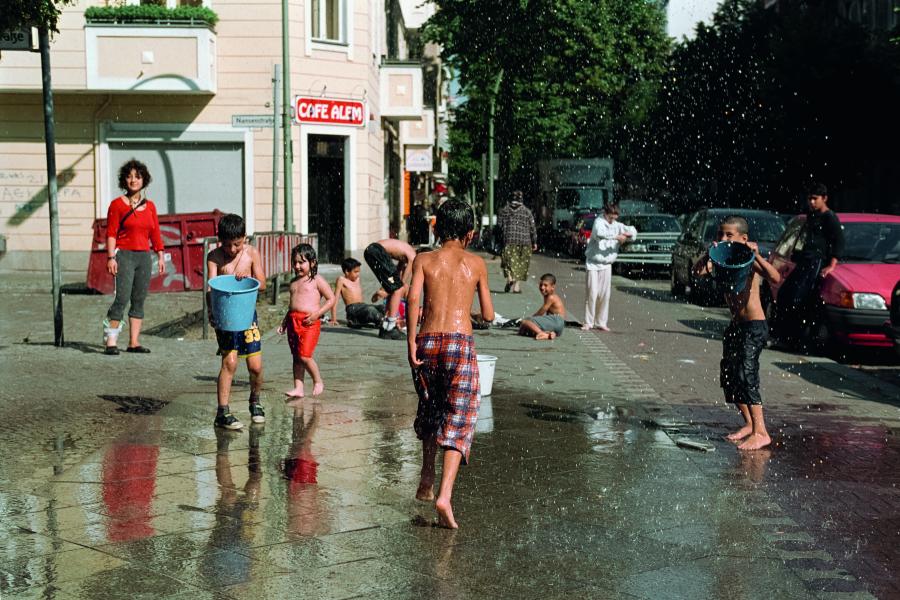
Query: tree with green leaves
point(580, 76)
point(31, 13)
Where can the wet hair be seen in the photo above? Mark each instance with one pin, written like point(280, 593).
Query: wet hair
point(517, 195)
point(739, 222)
point(454, 220)
point(611, 209)
point(549, 277)
point(133, 165)
point(231, 227)
point(308, 253)
point(348, 264)
point(816, 188)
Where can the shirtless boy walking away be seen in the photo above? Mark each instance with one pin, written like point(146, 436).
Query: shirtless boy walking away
point(380, 257)
point(550, 319)
point(442, 354)
point(302, 323)
point(744, 338)
point(236, 257)
point(349, 289)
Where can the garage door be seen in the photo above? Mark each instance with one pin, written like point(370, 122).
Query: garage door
point(187, 177)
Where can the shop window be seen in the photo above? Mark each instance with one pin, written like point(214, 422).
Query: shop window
point(328, 20)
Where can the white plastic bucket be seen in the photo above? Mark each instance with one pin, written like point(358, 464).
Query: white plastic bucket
point(486, 366)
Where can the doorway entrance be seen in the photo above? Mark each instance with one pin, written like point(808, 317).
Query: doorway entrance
point(326, 198)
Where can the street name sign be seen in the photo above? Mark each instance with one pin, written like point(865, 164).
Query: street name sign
point(16, 39)
point(328, 111)
point(253, 121)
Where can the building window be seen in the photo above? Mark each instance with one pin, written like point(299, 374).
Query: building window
point(328, 19)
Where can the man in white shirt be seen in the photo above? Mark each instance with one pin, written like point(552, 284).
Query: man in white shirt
point(602, 250)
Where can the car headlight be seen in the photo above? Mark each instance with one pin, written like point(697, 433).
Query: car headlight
point(636, 248)
point(869, 301)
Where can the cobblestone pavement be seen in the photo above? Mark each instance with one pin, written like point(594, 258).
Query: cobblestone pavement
point(113, 482)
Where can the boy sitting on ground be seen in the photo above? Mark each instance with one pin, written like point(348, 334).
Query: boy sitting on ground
point(349, 288)
point(442, 354)
point(549, 321)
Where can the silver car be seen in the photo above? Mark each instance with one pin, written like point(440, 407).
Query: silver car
point(657, 233)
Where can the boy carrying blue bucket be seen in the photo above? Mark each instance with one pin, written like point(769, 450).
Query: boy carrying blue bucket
point(738, 268)
point(235, 256)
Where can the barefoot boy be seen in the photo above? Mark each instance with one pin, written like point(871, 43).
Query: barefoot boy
point(549, 321)
point(744, 338)
point(348, 287)
point(380, 257)
point(302, 323)
point(442, 354)
point(236, 257)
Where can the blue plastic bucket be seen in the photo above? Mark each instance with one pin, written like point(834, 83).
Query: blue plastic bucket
point(233, 302)
point(732, 262)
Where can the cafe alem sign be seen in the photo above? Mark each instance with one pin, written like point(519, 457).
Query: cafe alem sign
point(329, 111)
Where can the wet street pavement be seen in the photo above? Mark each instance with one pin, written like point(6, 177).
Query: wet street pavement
point(114, 484)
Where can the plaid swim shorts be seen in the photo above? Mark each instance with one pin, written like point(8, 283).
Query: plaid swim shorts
point(447, 385)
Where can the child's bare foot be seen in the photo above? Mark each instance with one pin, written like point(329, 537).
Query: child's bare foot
point(602, 327)
point(552, 335)
point(297, 392)
point(740, 433)
point(542, 336)
point(586, 327)
point(425, 493)
point(756, 441)
point(445, 514)
point(318, 388)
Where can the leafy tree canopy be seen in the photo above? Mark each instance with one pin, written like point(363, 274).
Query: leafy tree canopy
point(31, 13)
point(578, 75)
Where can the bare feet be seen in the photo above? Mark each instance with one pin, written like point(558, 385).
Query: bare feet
point(602, 327)
point(740, 433)
point(756, 441)
point(297, 392)
point(318, 388)
point(552, 335)
point(425, 493)
point(445, 514)
point(586, 327)
point(542, 336)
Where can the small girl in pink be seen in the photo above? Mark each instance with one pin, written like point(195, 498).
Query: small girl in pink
point(302, 323)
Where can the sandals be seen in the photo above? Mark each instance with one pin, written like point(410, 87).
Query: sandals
point(138, 349)
point(111, 351)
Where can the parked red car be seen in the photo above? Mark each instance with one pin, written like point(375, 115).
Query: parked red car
point(856, 296)
point(581, 233)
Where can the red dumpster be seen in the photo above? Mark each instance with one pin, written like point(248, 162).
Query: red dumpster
point(182, 236)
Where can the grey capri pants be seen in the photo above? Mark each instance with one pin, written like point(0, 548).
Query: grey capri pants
point(132, 282)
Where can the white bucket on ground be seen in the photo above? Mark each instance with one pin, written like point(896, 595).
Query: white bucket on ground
point(486, 366)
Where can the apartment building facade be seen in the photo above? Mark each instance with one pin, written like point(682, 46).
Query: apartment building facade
point(191, 100)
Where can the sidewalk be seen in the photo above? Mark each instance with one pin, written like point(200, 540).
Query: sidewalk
point(567, 495)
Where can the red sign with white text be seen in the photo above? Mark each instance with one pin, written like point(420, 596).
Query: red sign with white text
point(324, 111)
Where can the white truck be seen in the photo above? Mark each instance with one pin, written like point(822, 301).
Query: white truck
point(571, 186)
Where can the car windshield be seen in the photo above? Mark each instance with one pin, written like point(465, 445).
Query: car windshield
point(871, 242)
point(654, 223)
point(762, 228)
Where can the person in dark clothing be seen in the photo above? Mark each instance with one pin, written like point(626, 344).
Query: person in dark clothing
point(823, 236)
point(823, 244)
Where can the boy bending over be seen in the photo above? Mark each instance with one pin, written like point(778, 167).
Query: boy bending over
point(549, 321)
point(348, 287)
point(442, 354)
point(744, 338)
point(380, 257)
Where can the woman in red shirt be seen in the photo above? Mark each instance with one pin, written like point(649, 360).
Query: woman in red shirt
point(132, 228)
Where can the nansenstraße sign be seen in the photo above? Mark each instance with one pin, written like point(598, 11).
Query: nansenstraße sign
point(253, 121)
point(18, 39)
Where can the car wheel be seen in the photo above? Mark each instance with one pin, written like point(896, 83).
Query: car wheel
point(675, 286)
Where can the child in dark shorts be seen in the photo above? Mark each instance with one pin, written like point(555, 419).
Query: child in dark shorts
point(744, 338)
point(549, 321)
point(349, 289)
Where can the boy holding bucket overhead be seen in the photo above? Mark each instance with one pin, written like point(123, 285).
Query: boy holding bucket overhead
point(235, 256)
point(738, 269)
point(442, 353)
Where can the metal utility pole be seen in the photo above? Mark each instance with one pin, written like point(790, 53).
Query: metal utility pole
point(286, 118)
point(50, 144)
point(276, 101)
point(490, 157)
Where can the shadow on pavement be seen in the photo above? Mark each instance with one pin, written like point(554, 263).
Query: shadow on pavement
point(649, 293)
point(135, 405)
point(836, 377)
point(80, 346)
